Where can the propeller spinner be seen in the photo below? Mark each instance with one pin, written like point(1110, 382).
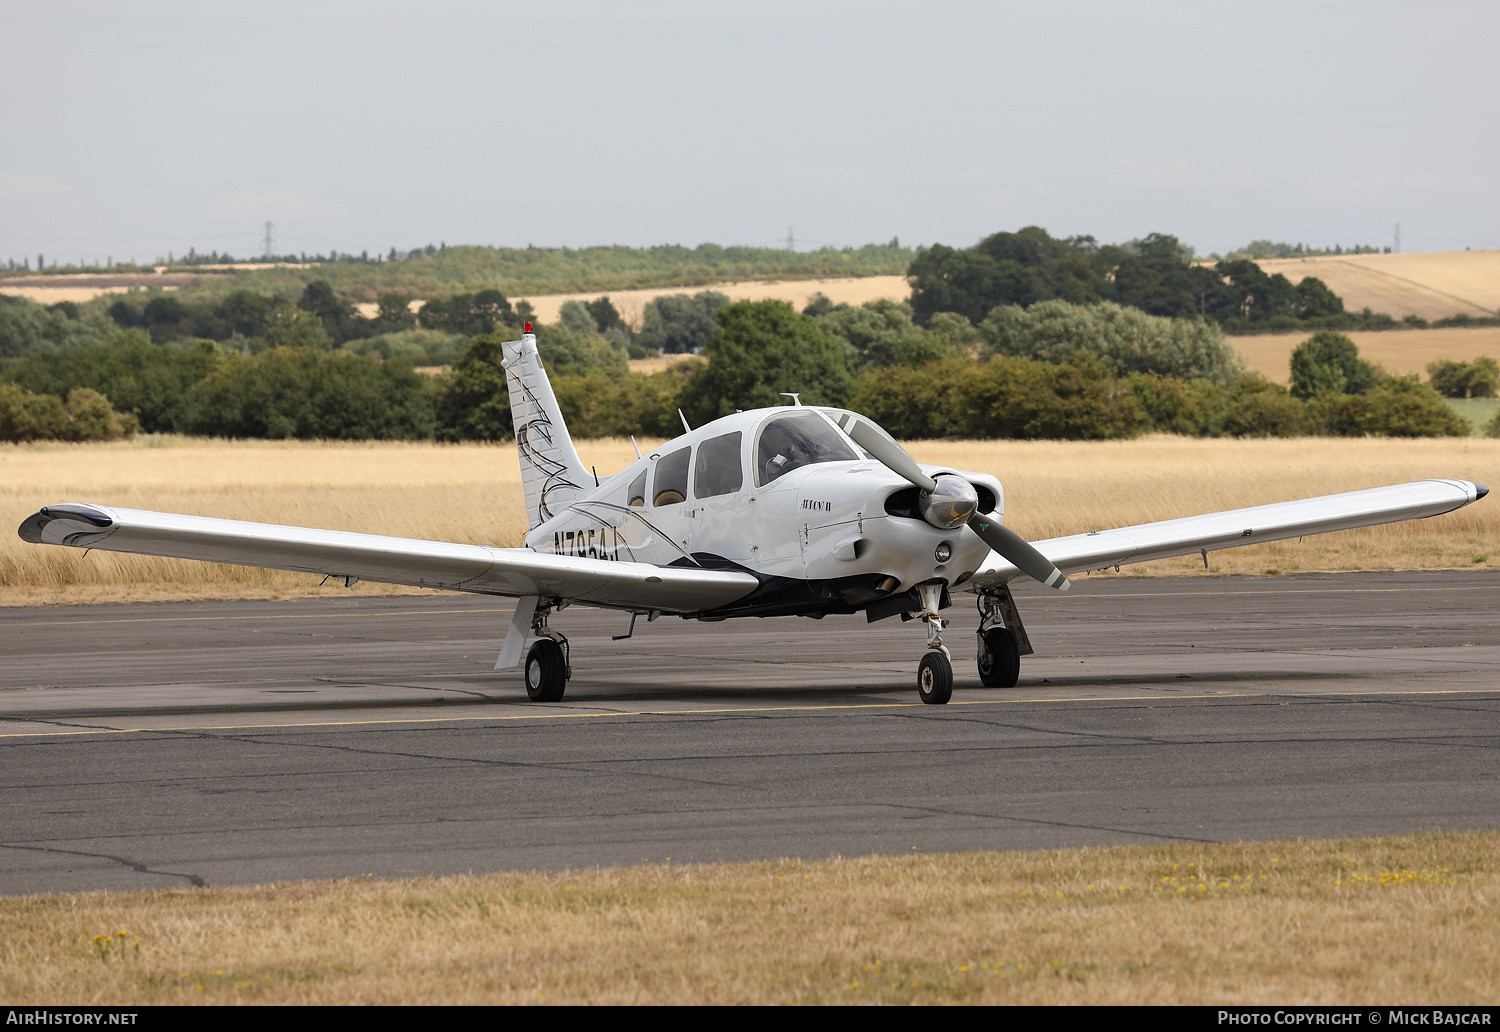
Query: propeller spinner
point(948, 501)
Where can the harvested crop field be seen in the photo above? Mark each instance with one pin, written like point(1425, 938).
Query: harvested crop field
point(1430, 284)
point(472, 492)
point(1412, 919)
point(1398, 351)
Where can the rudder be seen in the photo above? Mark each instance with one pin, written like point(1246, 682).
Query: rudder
point(552, 474)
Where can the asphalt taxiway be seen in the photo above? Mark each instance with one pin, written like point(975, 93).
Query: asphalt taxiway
point(242, 742)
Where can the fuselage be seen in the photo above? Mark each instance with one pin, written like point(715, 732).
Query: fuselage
point(781, 493)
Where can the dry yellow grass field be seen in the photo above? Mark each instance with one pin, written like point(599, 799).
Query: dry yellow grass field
point(658, 363)
point(1414, 919)
point(472, 492)
point(1398, 351)
point(1432, 284)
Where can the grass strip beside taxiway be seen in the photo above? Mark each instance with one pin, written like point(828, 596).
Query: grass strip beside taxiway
point(1414, 918)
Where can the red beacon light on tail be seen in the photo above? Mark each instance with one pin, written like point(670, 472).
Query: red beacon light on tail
point(526, 327)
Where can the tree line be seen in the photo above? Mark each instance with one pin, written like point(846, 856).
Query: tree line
point(1091, 341)
point(1056, 369)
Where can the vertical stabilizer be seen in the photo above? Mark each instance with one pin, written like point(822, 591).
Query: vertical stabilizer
point(551, 471)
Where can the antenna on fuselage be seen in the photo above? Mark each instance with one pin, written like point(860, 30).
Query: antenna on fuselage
point(796, 398)
point(635, 446)
point(684, 421)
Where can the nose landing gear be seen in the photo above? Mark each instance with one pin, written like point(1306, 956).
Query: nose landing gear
point(935, 678)
point(935, 672)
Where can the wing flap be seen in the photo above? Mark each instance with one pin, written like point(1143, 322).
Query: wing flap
point(1278, 521)
point(390, 560)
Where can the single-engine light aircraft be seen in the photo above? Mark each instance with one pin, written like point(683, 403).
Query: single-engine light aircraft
point(797, 510)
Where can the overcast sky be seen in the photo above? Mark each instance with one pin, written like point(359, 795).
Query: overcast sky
point(133, 128)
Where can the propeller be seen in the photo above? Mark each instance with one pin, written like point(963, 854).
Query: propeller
point(949, 501)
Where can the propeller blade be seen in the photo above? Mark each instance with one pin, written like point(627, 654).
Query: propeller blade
point(888, 452)
point(1008, 543)
point(1016, 549)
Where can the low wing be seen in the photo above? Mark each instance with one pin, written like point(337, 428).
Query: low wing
point(1276, 522)
point(391, 560)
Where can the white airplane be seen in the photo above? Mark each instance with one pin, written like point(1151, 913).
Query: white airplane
point(788, 511)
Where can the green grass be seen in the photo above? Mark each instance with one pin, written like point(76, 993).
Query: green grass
point(1478, 411)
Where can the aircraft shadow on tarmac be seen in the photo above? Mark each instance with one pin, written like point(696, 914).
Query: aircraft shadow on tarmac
point(586, 691)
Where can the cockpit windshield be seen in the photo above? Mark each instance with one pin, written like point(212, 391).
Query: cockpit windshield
point(794, 440)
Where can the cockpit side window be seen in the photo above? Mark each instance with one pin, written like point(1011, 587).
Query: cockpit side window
point(717, 470)
point(637, 494)
point(670, 484)
point(794, 440)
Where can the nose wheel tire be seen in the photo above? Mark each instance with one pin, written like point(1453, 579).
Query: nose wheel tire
point(1000, 662)
point(546, 672)
point(935, 678)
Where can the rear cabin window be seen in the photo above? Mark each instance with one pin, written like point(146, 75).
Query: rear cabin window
point(795, 440)
point(717, 470)
point(670, 484)
point(637, 494)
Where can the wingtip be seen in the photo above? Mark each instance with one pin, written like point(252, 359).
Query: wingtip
point(31, 527)
point(1480, 491)
point(78, 513)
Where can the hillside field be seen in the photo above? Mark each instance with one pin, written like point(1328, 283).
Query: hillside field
point(1398, 351)
point(472, 493)
point(1430, 284)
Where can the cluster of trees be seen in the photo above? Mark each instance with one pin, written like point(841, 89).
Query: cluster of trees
point(435, 334)
point(199, 389)
point(1083, 398)
point(318, 318)
point(1156, 274)
point(83, 415)
point(26, 326)
point(679, 324)
point(1477, 379)
point(249, 322)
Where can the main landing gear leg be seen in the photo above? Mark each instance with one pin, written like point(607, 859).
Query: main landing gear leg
point(547, 668)
point(1002, 639)
point(935, 672)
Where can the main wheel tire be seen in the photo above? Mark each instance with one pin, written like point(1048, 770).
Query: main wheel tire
point(935, 678)
point(1000, 662)
point(546, 672)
